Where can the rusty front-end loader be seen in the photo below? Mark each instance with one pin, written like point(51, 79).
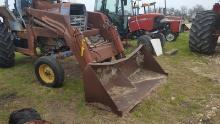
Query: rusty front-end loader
point(122, 84)
point(62, 30)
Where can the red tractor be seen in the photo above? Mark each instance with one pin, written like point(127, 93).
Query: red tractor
point(170, 26)
point(204, 32)
point(156, 22)
point(126, 16)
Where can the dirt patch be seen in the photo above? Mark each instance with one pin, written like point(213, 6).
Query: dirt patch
point(60, 113)
point(211, 70)
point(208, 115)
point(72, 68)
point(6, 98)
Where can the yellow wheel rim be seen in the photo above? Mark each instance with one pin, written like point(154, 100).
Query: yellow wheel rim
point(46, 74)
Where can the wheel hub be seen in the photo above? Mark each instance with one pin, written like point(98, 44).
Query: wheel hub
point(46, 73)
point(170, 37)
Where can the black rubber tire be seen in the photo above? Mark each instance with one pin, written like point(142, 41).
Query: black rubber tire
point(55, 66)
point(161, 37)
point(146, 41)
point(173, 34)
point(24, 116)
point(201, 39)
point(7, 48)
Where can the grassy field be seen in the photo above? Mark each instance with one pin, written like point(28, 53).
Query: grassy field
point(191, 94)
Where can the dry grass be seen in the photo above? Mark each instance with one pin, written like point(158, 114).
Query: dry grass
point(184, 97)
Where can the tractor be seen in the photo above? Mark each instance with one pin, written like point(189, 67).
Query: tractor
point(126, 16)
point(50, 30)
point(121, 13)
point(204, 32)
point(169, 26)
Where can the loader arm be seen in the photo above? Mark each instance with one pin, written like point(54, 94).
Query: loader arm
point(60, 24)
point(119, 84)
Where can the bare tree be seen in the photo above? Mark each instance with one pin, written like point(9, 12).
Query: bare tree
point(199, 8)
point(177, 12)
point(192, 12)
point(170, 11)
point(184, 11)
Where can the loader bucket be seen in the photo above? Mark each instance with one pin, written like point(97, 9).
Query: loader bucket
point(122, 84)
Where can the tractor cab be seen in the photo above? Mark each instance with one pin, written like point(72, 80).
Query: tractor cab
point(118, 11)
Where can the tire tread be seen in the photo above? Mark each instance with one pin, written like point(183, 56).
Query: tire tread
point(201, 39)
point(7, 48)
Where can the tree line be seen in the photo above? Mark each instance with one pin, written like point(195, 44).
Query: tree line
point(184, 11)
point(187, 13)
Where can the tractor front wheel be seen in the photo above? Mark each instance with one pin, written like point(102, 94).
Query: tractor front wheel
point(49, 72)
point(7, 48)
point(171, 36)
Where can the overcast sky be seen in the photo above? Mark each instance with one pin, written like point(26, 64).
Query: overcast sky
point(189, 3)
point(170, 3)
point(160, 3)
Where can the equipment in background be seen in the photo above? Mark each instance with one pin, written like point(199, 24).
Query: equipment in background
point(204, 32)
point(125, 14)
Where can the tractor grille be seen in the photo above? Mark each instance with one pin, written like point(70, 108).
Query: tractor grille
point(78, 21)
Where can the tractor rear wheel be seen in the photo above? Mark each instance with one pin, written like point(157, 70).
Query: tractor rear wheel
point(7, 48)
point(49, 72)
point(201, 38)
point(146, 41)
